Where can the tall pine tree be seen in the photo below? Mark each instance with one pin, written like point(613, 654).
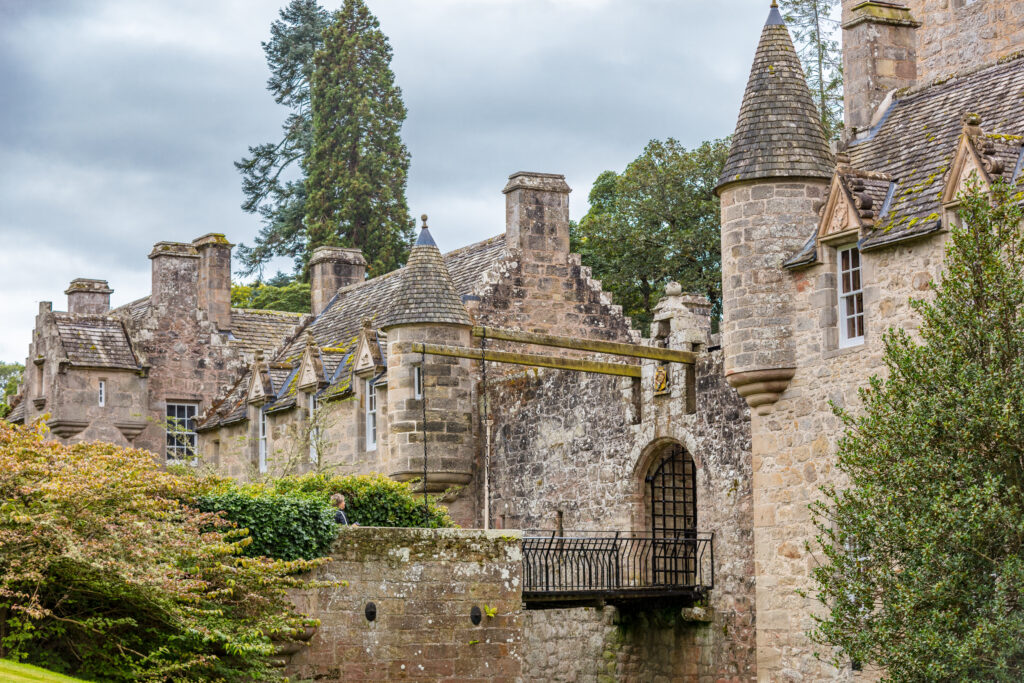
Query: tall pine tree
point(814, 32)
point(357, 168)
point(269, 192)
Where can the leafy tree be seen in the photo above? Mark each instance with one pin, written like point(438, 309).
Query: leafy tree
point(273, 176)
point(10, 378)
point(814, 33)
point(291, 296)
point(358, 164)
point(925, 547)
point(106, 574)
point(657, 221)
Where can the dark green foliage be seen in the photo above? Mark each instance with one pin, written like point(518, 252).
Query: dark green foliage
point(293, 296)
point(10, 377)
point(284, 527)
point(291, 517)
point(925, 548)
point(657, 221)
point(815, 36)
point(269, 180)
point(371, 500)
point(358, 165)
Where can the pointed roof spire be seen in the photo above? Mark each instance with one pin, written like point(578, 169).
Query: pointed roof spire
point(778, 133)
point(426, 294)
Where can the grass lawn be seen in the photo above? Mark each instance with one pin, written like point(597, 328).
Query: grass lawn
point(11, 672)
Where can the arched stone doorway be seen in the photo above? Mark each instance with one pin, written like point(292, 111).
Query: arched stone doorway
point(671, 514)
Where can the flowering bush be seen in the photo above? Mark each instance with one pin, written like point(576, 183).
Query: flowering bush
point(106, 574)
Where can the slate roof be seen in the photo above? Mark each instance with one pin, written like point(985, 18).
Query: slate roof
point(251, 329)
point(255, 330)
point(778, 133)
point(17, 414)
point(95, 341)
point(426, 293)
point(336, 330)
point(918, 137)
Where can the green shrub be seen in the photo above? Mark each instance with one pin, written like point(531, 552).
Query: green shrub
point(370, 500)
point(291, 518)
point(282, 526)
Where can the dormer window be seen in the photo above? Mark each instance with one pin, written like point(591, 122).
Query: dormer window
point(371, 415)
point(851, 297)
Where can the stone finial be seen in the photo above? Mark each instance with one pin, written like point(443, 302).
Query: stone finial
point(310, 342)
point(424, 219)
point(971, 123)
point(843, 163)
point(684, 320)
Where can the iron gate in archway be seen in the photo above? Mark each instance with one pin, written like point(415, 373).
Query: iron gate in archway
point(673, 511)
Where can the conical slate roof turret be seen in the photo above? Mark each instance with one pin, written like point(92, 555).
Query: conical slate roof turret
point(426, 294)
point(779, 133)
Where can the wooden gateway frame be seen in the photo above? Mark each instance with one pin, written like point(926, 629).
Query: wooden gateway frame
point(484, 355)
point(544, 361)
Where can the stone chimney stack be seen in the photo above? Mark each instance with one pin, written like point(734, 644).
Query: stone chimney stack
point(537, 215)
point(330, 269)
point(213, 292)
point(879, 56)
point(91, 297)
point(175, 275)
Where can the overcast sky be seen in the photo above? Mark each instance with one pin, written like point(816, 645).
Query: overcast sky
point(120, 119)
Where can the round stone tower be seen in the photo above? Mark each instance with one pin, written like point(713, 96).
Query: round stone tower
point(427, 309)
point(777, 172)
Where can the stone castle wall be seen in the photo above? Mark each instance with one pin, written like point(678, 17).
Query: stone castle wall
point(582, 445)
point(794, 444)
point(424, 584)
point(962, 34)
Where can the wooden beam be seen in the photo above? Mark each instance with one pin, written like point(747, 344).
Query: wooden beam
point(615, 348)
point(593, 366)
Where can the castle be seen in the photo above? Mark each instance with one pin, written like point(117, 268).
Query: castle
point(502, 376)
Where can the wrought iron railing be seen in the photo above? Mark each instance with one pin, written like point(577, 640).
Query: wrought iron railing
point(578, 564)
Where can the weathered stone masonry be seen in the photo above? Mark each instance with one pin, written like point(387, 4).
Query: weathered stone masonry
point(424, 584)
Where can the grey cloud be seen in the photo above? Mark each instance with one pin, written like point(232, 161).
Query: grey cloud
point(121, 120)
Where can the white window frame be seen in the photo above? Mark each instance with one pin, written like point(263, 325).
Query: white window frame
point(371, 414)
point(314, 431)
point(103, 393)
point(261, 463)
point(849, 296)
point(181, 440)
point(417, 382)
